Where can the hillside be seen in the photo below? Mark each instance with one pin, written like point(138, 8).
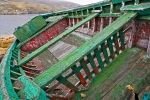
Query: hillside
point(33, 6)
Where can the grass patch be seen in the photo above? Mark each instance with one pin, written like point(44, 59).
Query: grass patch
point(110, 70)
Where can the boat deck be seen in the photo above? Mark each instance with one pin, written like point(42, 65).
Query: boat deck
point(127, 68)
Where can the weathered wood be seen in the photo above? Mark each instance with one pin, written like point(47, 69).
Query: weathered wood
point(86, 69)
point(7, 91)
point(148, 49)
point(105, 53)
point(55, 20)
point(122, 39)
point(115, 39)
point(100, 62)
point(79, 75)
point(111, 48)
point(52, 73)
point(144, 17)
point(139, 7)
point(44, 47)
point(64, 81)
point(92, 63)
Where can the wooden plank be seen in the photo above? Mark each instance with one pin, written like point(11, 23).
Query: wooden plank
point(19, 55)
point(110, 46)
point(148, 48)
point(58, 18)
point(139, 7)
point(119, 1)
point(56, 70)
point(64, 81)
point(109, 15)
point(56, 39)
point(15, 74)
point(100, 15)
point(92, 62)
point(97, 54)
point(122, 39)
point(104, 50)
point(115, 39)
point(86, 69)
point(79, 75)
point(60, 49)
point(144, 17)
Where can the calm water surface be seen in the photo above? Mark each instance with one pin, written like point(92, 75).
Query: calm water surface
point(8, 23)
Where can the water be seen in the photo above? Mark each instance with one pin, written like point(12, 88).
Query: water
point(8, 23)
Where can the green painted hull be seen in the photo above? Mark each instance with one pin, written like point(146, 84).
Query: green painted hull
point(107, 47)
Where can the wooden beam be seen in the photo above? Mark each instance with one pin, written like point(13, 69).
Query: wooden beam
point(138, 7)
point(100, 15)
point(57, 18)
point(56, 70)
point(46, 46)
point(144, 17)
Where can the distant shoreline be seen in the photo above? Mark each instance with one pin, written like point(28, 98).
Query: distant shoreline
point(16, 7)
point(21, 14)
point(14, 13)
point(25, 14)
point(10, 22)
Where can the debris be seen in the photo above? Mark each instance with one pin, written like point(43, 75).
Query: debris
point(83, 95)
point(130, 88)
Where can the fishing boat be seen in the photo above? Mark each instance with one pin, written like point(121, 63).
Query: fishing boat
point(90, 52)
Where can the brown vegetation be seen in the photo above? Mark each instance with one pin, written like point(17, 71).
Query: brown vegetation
point(32, 7)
